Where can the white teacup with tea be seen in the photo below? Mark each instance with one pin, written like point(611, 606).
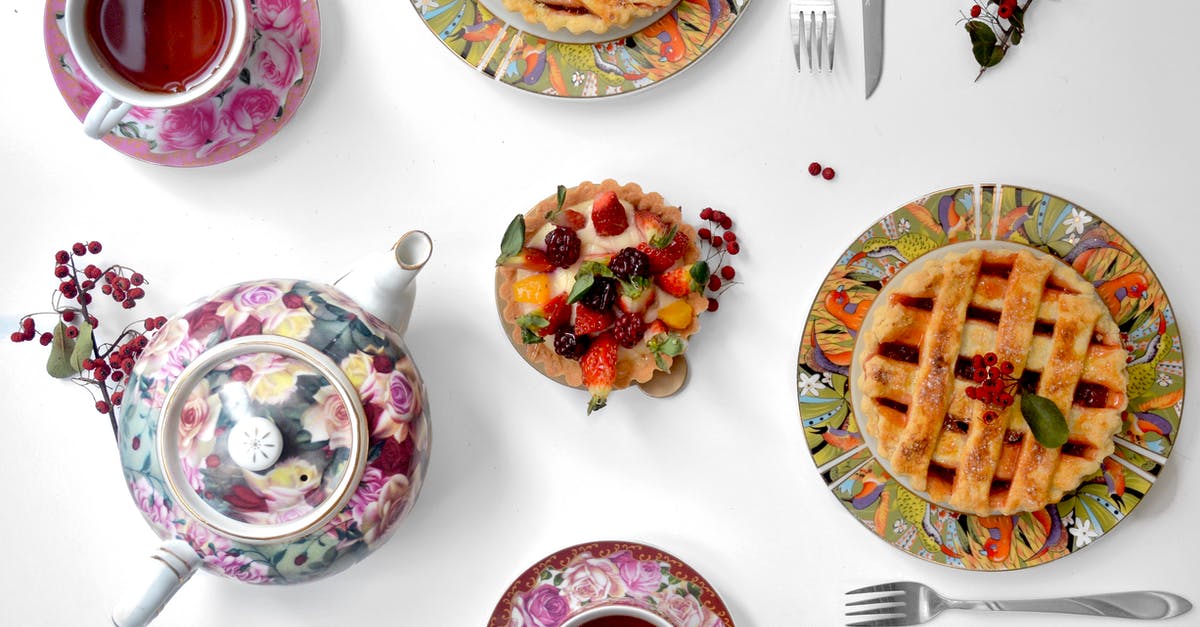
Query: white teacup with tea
point(156, 54)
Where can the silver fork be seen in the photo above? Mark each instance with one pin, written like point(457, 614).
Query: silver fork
point(813, 28)
point(912, 603)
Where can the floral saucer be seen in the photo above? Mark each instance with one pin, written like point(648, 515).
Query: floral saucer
point(602, 574)
point(1138, 304)
point(269, 89)
point(566, 66)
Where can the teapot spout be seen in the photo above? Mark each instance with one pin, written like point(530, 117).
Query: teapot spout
point(383, 284)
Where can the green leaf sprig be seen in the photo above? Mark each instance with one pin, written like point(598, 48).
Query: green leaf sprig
point(1045, 420)
point(993, 26)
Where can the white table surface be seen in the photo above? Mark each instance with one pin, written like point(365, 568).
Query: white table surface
point(1093, 106)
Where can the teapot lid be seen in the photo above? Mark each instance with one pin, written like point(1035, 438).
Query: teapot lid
point(290, 434)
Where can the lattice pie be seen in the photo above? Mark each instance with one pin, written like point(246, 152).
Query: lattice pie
point(1032, 312)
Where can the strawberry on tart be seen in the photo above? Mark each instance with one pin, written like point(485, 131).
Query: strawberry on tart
point(602, 285)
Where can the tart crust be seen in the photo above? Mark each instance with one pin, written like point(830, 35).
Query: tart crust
point(634, 365)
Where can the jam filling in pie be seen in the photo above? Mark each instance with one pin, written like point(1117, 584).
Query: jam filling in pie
point(580, 16)
point(1053, 335)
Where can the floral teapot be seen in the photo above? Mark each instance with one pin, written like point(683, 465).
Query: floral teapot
point(276, 431)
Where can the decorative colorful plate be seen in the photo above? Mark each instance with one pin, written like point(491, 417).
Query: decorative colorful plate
point(599, 574)
point(269, 89)
point(567, 66)
point(1125, 282)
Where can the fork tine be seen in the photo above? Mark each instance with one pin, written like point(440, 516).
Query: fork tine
point(809, 33)
point(882, 587)
point(895, 598)
point(832, 16)
point(821, 41)
point(898, 621)
point(891, 608)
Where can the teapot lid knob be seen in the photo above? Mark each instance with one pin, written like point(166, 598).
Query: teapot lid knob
point(255, 443)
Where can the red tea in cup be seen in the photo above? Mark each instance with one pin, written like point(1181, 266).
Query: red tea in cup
point(617, 621)
point(164, 46)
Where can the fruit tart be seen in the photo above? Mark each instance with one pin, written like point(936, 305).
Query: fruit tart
point(580, 16)
point(993, 380)
point(601, 285)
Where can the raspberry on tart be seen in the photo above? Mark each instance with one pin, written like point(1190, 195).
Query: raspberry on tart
point(617, 326)
point(581, 16)
point(948, 353)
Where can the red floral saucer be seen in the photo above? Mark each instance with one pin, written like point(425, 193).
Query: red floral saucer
point(270, 87)
point(602, 574)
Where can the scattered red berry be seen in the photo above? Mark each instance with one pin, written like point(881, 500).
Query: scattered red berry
point(727, 273)
point(714, 283)
point(62, 257)
point(117, 397)
point(129, 303)
point(72, 332)
point(136, 278)
point(102, 407)
point(79, 249)
point(17, 336)
point(717, 243)
point(61, 271)
point(713, 304)
point(733, 248)
point(1004, 12)
point(976, 10)
point(704, 233)
point(828, 174)
point(94, 247)
point(814, 168)
point(729, 237)
point(706, 213)
point(46, 338)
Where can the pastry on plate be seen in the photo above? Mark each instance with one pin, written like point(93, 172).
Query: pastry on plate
point(992, 380)
point(601, 285)
point(581, 16)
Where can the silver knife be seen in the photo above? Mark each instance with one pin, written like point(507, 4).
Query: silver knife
point(873, 42)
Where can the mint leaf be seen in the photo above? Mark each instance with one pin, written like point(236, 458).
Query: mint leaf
point(699, 273)
point(635, 286)
point(583, 283)
point(664, 240)
point(562, 195)
point(1045, 420)
point(595, 267)
point(530, 325)
point(514, 239)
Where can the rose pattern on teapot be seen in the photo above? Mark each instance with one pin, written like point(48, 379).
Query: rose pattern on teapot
point(308, 411)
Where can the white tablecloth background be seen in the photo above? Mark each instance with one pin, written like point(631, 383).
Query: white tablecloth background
point(1097, 105)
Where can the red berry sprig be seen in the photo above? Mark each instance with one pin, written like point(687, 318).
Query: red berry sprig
point(75, 352)
point(720, 240)
point(995, 385)
point(994, 26)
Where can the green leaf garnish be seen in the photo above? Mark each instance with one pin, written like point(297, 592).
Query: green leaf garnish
point(583, 283)
point(514, 239)
point(1045, 420)
point(665, 345)
point(586, 277)
point(664, 240)
point(562, 195)
point(530, 325)
point(635, 286)
point(699, 273)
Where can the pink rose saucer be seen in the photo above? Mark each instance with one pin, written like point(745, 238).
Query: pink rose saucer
point(267, 92)
point(607, 574)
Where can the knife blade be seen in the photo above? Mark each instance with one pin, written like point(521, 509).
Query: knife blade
point(873, 43)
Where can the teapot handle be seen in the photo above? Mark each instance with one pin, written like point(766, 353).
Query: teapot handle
point(170, 567)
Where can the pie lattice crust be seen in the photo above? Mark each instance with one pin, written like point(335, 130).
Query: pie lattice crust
point(1032, 311)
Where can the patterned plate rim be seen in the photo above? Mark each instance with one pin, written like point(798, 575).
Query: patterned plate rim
point(860, 457)
point(683, 573)
point(502, 46)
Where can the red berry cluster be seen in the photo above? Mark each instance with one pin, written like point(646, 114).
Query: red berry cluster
point(995, 384)
point(721, 240)
point(815, 169)
point(110, 364)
